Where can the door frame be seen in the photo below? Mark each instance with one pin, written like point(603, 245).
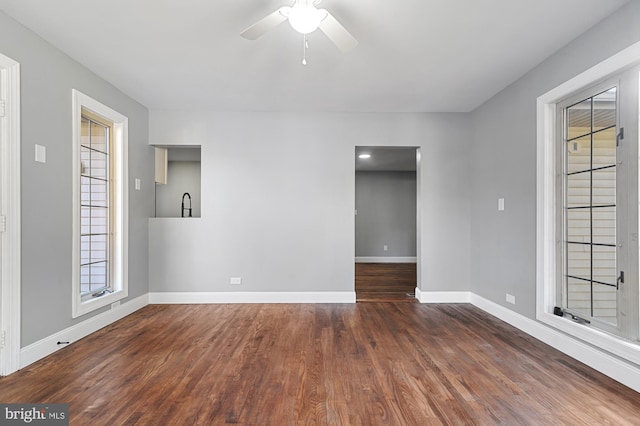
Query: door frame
point(418, 212)
point(10, 213)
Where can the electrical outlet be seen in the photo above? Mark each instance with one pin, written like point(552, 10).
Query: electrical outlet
point(511, 298)
point(235, 280)
point(385, 247)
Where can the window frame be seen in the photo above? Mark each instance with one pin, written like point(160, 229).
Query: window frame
point(585, 93)
point(547, 244)
point(118, 211)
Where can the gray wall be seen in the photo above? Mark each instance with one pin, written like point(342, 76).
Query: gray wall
point(183, 176)
point(386, 205)
point(47, 77)
point(278, 193)
point(503, 244)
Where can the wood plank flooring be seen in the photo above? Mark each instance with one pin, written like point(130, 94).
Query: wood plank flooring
point(377, 282)
point(344, 364)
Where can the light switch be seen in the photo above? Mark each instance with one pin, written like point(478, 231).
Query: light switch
point(500, 204)
point(41, 154)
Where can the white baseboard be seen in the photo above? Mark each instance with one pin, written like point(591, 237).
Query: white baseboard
point(383, 259)
point(443, 296)
point(252, 297)
point(619, 370)
point(48, 345)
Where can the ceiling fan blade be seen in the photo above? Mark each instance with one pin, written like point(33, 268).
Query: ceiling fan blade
point(267, 23)
point(337, 33)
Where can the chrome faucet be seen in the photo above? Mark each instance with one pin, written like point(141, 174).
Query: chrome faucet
point(186, 194)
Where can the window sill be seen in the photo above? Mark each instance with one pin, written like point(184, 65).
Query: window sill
point(614, 345)
point(83, 308)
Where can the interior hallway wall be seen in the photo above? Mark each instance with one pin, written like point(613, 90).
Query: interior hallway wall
point(386, 206)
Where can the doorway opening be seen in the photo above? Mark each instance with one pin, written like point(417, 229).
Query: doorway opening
point(386, 223)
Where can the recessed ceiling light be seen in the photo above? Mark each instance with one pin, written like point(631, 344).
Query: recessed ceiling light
point(363, 156)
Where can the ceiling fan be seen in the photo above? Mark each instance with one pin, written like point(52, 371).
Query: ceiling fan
point(305, 18)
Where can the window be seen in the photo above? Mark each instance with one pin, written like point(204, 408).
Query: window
point(591, 258)
point(95, 205)
point(587, 206)
point(100, 207)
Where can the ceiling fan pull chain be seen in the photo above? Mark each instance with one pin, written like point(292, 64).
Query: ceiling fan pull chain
point(304, 49)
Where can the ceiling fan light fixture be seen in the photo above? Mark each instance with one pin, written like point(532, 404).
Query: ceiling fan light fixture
point(305, 18)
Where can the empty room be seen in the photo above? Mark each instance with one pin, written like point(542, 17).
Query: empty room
point(204, 218)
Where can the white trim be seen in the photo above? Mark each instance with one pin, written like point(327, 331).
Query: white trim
point(121, 201)
point(608, 342)
point(10, 204)
point(385, 259)
point(419, 215)
point(49, 345)
point(623, 372)
point(251, 297)
point(442, 296)
point(546, 243)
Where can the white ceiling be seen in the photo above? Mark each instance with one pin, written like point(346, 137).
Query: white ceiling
point(414, 55)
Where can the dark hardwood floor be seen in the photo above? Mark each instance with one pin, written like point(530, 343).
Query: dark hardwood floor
point(348, 364)
point(379, 282)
